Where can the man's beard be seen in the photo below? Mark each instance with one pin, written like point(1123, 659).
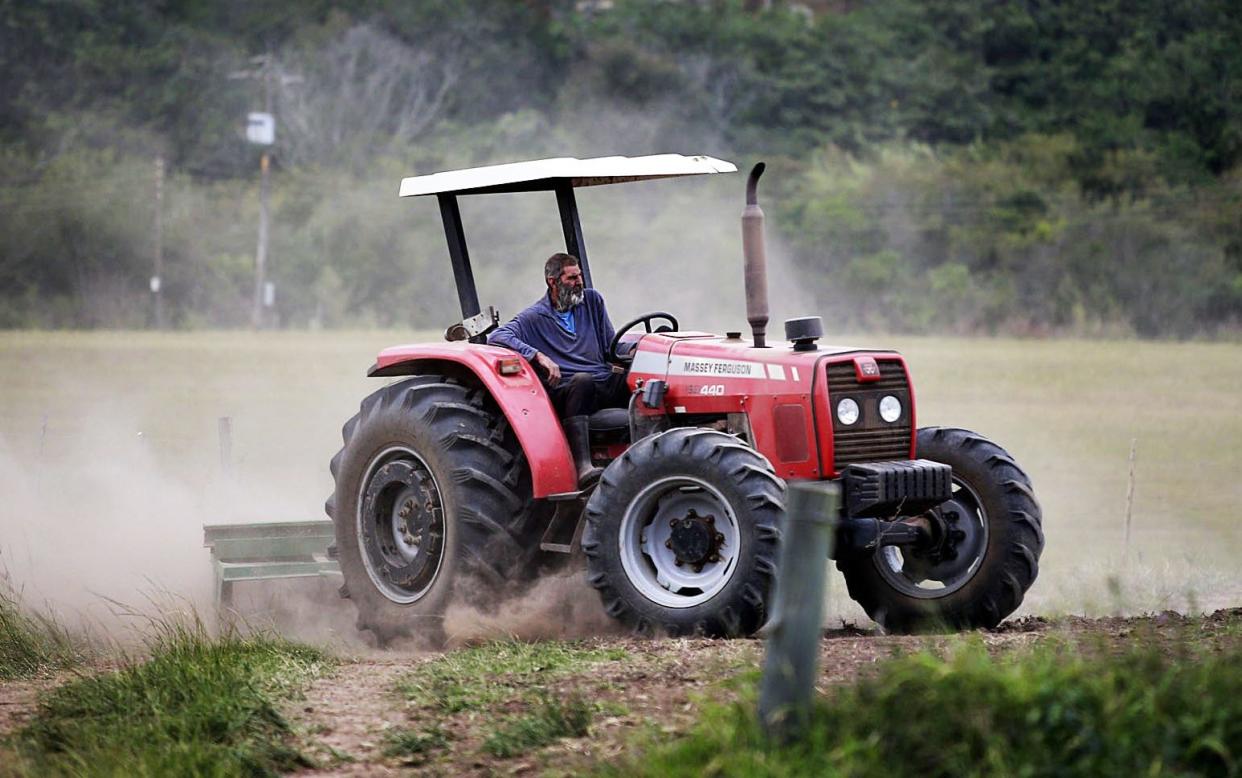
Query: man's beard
point(568, 296)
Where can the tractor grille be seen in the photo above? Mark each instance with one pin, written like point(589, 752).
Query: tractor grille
point(870, 439)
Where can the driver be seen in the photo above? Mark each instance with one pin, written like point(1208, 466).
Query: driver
point(566, 335)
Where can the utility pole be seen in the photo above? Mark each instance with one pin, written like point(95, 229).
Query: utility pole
point(261, 130)
point(157, 276)
point(260, 254)
point(265, 163)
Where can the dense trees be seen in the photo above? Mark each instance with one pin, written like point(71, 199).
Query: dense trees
point(967, 164)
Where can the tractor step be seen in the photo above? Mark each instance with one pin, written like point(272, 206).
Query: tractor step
point(564, 530)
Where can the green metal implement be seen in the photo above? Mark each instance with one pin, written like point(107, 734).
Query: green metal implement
point(268, 551)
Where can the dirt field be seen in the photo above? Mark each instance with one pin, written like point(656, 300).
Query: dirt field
point(656, 686)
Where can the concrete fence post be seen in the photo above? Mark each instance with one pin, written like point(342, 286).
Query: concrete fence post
point(793, 632)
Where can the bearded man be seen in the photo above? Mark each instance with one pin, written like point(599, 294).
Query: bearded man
point(565, 335)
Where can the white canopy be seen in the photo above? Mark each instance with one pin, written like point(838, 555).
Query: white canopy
point(542, 173)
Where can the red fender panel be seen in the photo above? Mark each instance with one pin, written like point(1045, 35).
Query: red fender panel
point(520, 396)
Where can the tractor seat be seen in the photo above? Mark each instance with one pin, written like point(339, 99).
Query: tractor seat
point(610, 420)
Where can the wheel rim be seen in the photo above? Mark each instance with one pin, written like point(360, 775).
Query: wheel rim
point(400, 525)
point(670, 521)
point(927, 578)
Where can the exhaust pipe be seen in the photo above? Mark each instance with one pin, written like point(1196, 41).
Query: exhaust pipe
point(755, 260)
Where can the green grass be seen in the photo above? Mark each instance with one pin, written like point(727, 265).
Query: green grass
point(196, 706)
point(32, 643)
point(411, 745)
point(479, 677)
point(549, 721)
point(495, 679)
point(1051, 711)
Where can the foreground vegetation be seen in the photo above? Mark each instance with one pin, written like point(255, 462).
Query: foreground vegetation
point(1149, 696)
point(33, 643)
point(509, 682)
point(195, 706)
point(965, 165)
point(1052, 711)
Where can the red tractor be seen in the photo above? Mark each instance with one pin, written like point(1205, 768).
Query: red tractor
point(456, 480)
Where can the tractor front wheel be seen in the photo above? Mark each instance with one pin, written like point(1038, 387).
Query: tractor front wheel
point(432, 502)
point(981, 576)
point(682, 534)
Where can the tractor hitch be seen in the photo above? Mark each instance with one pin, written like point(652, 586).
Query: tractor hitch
point(863, 536)
point(936, 538)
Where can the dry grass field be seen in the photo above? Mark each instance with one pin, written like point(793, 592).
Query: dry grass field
point(111, 460)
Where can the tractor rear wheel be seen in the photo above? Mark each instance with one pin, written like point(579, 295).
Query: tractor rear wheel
point(682, 534)
point(992, 560)
point(432, 502)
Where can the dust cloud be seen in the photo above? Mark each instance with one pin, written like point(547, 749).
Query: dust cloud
point(111, 462)
point(94, 533)
point(107, 483)
point(560, 606)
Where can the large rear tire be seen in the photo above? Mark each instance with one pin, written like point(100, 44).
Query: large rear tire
point(1000, 538)
point(682, 535)
point(432, 502)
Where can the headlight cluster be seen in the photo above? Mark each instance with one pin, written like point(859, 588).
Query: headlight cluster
point(848, 411)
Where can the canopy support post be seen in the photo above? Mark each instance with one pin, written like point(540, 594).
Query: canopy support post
point(467, 294)
point(572, 226)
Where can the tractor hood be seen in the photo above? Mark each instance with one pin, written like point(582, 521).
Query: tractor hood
point(705, 355)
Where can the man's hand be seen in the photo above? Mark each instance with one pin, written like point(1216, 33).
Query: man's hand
point(551, 368)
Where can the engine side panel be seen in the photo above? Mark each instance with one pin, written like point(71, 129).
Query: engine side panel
point(521, 397)
point(784, 393)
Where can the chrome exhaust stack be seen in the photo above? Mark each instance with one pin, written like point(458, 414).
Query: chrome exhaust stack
point(755, 260)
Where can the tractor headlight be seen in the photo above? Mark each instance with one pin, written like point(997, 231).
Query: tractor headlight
point(890, 408)
point(847, 411)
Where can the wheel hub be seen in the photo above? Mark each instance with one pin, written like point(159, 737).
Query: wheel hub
point(956, 543)
point(680, 542)
point(693, 539)
point(402, 528)
point(958, 537)
point(413, 513)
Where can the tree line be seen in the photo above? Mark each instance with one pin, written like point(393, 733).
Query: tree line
point(1037, 167)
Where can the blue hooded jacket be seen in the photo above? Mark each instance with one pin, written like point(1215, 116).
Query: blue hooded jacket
point(538, 329)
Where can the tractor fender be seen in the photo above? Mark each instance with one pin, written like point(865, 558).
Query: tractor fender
point(520, 396)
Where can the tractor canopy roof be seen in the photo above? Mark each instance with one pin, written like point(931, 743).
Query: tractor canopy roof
point(560, 175)
point(550, 174)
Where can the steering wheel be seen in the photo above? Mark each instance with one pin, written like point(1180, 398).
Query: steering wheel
point(645, 320)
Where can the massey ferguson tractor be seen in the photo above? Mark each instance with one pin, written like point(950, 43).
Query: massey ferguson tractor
point(456, 481)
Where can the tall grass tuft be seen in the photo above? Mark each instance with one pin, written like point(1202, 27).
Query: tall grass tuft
point(196, 706)
point(31, 643)
point(1052, 711)
point(551, 720)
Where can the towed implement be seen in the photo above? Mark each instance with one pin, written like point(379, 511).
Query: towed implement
point(455, 480)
